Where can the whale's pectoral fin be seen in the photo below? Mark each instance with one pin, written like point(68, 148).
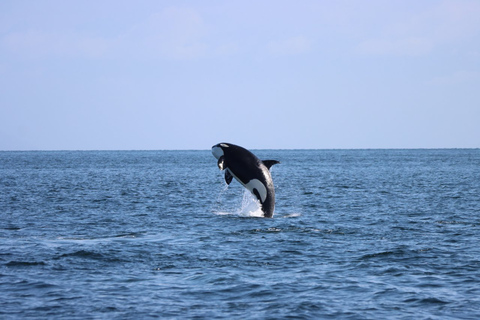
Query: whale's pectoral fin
point(221, 163)
point(228, 177)
point(270, 163)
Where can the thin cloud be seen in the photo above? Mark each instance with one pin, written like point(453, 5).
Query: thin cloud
point(175, 32)
point(408, 46)
point(459, 77)
point(41, 44)
point(290, 46)
point(422, 31)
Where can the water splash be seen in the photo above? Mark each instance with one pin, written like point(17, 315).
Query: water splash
point(250, 206)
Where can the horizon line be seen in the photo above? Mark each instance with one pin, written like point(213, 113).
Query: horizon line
point(280, 149)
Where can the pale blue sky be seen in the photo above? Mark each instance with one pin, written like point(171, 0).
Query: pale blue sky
point(262, 74)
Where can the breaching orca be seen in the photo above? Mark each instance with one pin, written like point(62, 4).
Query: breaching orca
point(251, 172)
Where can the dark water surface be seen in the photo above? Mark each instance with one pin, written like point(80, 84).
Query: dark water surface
point(357, 234)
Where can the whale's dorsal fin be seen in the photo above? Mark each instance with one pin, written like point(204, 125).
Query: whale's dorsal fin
point(270, 163)
point(228, 177)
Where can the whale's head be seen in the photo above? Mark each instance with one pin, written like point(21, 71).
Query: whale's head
point(218, 150)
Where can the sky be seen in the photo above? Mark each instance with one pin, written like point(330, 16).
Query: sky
point(273, 74)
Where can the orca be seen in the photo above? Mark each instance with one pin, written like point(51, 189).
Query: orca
point(251, 172)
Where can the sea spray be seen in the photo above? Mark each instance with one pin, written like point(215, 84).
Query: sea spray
point(250, 206)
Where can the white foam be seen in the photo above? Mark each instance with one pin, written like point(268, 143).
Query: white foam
point(292, 215)
point(223, 213)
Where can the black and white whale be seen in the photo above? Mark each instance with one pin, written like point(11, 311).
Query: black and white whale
point(251, 172)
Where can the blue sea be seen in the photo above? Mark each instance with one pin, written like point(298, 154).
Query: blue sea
point(357, 234)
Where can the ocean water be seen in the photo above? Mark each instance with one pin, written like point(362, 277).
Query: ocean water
point(357, 234)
